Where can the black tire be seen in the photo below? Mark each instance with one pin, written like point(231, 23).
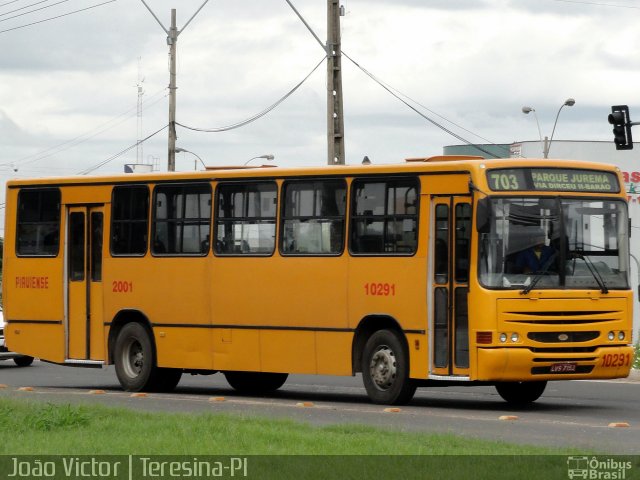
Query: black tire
point(23, 361)
point(166, 379)
point(135, 361)
point(255, 383)
point(520, 393)
point(385, 369)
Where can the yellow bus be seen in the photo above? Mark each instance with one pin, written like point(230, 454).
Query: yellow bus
point(436, 271)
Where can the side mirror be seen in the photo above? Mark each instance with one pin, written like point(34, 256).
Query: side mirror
point(483, 215)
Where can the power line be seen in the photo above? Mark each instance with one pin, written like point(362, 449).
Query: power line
point(257, 115)
point(119, 154)
point(48, 152)
point(390, 90)
point(506, 149)
point(56, 17)
point(22, 8)
point(8, 3)
point(440, 126)
point(30, 11)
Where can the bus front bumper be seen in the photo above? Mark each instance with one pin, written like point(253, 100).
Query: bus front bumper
point(520, 364)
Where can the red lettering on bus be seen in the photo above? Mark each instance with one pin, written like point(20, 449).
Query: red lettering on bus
point(380, 289)
point(122, 286)
point(616, 360)
point(33, 282)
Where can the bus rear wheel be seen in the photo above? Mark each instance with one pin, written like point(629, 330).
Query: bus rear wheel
point(135, 362)
point(520, 393)
point(385, 369)
point(23, 361)
point(255, 382)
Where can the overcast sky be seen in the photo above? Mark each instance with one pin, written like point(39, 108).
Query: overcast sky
point(68, 86)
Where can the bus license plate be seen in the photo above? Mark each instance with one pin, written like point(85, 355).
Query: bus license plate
point(565, 367)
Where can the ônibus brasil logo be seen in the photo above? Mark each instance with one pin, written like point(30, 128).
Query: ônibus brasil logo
point(597, 469)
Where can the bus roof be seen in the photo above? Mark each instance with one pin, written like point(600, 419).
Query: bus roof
point(441, 163)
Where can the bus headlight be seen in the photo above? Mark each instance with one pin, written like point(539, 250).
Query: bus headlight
point(515, 337)
point(621, 336)
point(503, 337)
point(611, 336)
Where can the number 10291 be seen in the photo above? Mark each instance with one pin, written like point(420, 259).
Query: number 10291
point(380, 289)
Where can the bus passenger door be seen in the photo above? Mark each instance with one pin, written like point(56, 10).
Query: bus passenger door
point(84, 282)
point(449, 250)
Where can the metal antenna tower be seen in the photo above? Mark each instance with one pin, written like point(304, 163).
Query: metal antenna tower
point(139, 152)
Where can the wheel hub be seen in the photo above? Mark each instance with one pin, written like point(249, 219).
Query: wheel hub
point(383, 367)
point(133, 359)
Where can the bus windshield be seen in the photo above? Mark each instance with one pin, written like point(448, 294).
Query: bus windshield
point(545, 242)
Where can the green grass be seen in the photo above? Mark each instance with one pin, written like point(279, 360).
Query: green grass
point(276, 449)
point(36, 428)
point(636, 358)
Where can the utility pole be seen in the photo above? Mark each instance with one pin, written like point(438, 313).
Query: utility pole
point(335, 119)
point(172, 40)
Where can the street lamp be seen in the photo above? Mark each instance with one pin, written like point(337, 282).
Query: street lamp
point(569, 102)
point(546, 145)
point(526, 111)
point(183, 150)
point(268, 157)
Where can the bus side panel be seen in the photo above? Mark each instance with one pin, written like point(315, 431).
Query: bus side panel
point(32, 292)
point(333, 351)
point(236, 349)
point(34, 288)
point(183, 347)
point(41, 340)
point(172, 293)
point(315, 297)
point(288, 351)
point(393, 287)
point(453, 184)
point(288, 300)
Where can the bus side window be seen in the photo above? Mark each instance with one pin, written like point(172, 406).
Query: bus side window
point(181, 219)
point(129, 220)
point(463, 241)
point(245, 221)
point(313, 217)
point(38, 223)
point(441, 245)
point(384, 216)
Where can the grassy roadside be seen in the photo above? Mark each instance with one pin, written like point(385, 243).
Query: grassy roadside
point(271, 449)
point(36, 428)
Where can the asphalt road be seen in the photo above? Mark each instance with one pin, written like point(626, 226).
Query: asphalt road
point(576, 414)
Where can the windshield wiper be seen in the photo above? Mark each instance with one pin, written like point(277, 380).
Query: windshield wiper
point(594, 272)
point(540, 274)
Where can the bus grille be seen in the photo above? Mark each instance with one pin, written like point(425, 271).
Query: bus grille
point(559, 312)
point(562, 337)
point(564, 350)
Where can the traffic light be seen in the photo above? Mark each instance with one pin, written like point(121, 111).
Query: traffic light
point(619, 118)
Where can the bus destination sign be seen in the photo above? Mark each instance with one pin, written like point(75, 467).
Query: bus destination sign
point(552, 179)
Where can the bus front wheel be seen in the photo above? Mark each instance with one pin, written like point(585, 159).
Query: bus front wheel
point(385, 369)
point(135, 363)
point(255, 382)
point(520, 393)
